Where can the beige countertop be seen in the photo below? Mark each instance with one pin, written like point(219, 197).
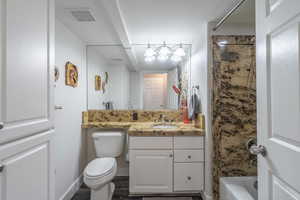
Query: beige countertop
point(146, 128)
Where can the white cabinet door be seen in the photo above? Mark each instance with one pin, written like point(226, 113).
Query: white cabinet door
point(188, 176)
point(151, 171)
point(27, 169)
point(26, 60)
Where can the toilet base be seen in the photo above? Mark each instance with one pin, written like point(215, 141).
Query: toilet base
point(104, 193)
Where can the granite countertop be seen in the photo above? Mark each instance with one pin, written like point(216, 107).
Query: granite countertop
point(146, 128)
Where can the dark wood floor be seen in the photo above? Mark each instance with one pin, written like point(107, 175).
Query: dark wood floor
point(121, 191)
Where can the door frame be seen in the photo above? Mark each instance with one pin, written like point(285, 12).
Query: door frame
point(142, 82)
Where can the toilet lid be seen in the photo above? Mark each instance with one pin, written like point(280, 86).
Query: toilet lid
point(100, 167)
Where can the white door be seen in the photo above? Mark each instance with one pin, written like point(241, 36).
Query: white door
point(151, 171)
point(278, 98)
point(26, 60)
point(154, 92)
point(26, 173)
point(26, 99)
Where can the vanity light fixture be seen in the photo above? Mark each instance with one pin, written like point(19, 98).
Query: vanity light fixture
point(179, 51)
point(149, 59)
point(164, 50)
point(164, 53)
point(163, 57)
point(176, 58)
point(149, 51)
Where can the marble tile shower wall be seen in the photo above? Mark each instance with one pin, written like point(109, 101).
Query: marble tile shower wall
point(234, 106)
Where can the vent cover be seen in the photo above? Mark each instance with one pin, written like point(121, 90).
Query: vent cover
point(117, 59)
point(83, 15)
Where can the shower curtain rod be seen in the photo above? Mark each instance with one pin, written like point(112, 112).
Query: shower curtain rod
point(221, 22)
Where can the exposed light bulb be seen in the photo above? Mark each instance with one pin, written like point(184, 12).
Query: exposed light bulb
point(149, 52)
point(176, 58)
point(163, 58)
point(164, 50)
point(149, 59)
point(180, 52)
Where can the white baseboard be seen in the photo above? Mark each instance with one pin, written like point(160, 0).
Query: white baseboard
point(74, 187)
point(207, 197)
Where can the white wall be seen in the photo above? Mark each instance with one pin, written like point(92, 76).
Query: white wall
point(119, 86)
point(69, 140)
point(172, 97)
point(233, 29)
point(136, 97)
point(200, 76)
point(97, 65)
point(70, 150)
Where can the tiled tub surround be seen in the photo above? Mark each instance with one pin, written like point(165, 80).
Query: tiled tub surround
point(234, 107)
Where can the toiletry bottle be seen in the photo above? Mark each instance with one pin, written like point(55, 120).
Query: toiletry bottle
point(200, 121)
point(184, 111)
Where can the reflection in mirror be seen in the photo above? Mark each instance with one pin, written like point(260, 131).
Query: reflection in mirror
point(144, 76)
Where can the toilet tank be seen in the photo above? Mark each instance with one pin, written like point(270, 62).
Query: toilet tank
point(108, 143)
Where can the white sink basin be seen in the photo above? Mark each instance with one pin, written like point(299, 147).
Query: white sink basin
point(164, 126)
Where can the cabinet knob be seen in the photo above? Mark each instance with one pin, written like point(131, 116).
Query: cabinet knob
point(1, 125)
point(189, 178)
point(189, 156)
point(171, 155)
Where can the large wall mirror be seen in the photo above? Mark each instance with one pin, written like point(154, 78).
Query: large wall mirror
point(144, 76)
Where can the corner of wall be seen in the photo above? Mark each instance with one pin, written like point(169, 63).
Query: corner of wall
point(74, 187)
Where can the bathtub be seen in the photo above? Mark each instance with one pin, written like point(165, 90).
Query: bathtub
point(238, 188)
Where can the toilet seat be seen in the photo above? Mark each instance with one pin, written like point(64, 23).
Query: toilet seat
point(100, 167)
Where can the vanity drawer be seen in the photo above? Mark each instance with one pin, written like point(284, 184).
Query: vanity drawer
point(188, 176)
point(188, 142)
point(144, 142)
point(189, 155)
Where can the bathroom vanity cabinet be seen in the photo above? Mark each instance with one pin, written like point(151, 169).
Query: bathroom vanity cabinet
point(166, 164)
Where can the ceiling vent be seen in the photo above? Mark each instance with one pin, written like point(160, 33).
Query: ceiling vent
point(83, 15)
point(117, 59)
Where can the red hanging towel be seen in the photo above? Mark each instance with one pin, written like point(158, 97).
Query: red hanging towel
point(176, 89)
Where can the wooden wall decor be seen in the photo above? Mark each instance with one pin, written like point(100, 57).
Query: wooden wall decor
point(103, 86)
point(71, 74)
point(106, 77)
point(56, 74)
point(98, 83)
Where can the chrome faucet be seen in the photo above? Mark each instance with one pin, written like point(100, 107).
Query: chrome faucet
point(162, 118)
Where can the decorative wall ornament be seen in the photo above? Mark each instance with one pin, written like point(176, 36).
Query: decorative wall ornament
point(56, 74)
point(71, 74)
point(98, 83)
point(103, 86)
point(106, 77)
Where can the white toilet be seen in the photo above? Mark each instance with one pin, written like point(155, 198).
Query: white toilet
point(99, 172)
